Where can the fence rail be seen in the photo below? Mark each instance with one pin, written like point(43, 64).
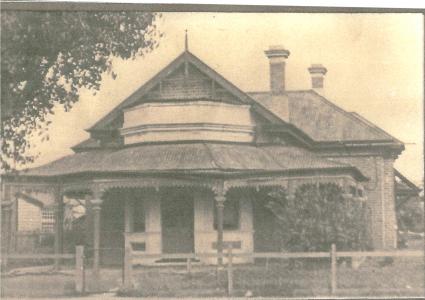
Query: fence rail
point(416, 253)
point(404, 253)
point(79, 276)
point(129, 255)
point(332, 255)
point(39, 256)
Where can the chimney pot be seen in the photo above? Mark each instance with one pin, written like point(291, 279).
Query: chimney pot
point(277, 56)
point(317, 72)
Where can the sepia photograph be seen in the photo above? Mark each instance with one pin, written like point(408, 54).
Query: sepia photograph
point(205, 152)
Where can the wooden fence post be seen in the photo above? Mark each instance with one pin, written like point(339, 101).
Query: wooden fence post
point(4, 262)
point(333, 270)
point(229, 271)
point(79, 269)
point(128, 269)
point(189, 266)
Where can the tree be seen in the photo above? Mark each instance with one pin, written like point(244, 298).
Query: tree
point(410, 216)
point(47, 57)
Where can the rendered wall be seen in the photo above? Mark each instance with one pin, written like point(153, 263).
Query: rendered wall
point(193, 120)
point(205, 236)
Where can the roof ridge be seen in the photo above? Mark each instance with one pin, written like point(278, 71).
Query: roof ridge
point(364, 120)
point(286, 91)
point(144, 87)
point(210, 153)
point(349, 114)
point(272, 157)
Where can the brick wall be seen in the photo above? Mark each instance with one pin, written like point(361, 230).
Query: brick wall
point(277, 77)
point(390, 222)
point(381, 197)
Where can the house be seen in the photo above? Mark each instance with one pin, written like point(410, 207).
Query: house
point(33, 219)
point(175, 167)
point(409, 210)
point(35, 213)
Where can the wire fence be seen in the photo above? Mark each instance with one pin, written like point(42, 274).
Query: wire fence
point(303, 274)
point(282, 274)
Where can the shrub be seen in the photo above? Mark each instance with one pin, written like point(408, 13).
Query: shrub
point(317, 217)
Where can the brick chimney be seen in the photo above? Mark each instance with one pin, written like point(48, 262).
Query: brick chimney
point(277, 56)
point(317, 72)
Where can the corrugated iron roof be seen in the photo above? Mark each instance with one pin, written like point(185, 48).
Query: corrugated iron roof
point(189, 157)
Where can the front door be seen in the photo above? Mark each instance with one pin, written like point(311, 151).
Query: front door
point(177, 222)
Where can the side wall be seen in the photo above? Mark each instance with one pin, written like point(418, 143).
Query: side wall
point(29, 216)
point(381, 196)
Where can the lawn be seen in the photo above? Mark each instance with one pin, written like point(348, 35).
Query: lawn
point(375, 277)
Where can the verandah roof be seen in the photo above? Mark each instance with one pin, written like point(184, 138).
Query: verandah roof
point(191, 157)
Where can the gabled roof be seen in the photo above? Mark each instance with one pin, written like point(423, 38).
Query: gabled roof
point(404, 186)
point(314, 116)
point(320, 119)
point(185, 57)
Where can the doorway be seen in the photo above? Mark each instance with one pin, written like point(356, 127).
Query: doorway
point(177, 217)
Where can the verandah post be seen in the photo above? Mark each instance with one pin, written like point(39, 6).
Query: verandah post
point(333, 270)
point(128, 269)
point(58, 211)
point(79, 269)
point(96, 236)
point(220, 212)
point(229, 271)
point(220, 198)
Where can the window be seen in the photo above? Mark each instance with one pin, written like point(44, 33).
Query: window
point(138, 216)
point(47, 220)
point(230, 215)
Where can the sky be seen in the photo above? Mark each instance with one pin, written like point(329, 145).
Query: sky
point(374, 61)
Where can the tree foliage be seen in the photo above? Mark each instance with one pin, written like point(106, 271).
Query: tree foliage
point(317, 217)
point(47, 57)
point(410, 214)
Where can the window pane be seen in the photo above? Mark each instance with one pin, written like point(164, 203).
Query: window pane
point(47, 220)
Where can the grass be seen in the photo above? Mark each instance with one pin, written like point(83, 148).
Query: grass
point(43, 282)
point(404, 277)
point(285, 278)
